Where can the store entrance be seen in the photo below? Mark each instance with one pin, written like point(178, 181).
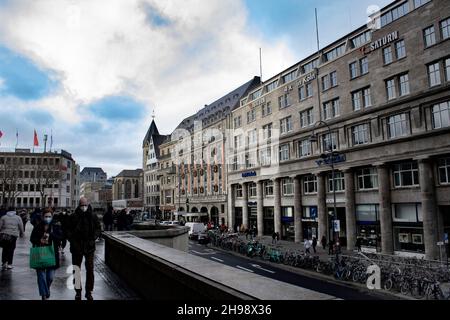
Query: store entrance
point(268, 221)
point(238, 217)
point(340, 216)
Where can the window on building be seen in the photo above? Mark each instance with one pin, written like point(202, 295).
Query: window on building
point(256, 94)
point(444, 170)
point(367, 178)
point(356, 100)
point(339, 182)
point(251, 115)
point(336, 52)
point(404, 84)
point(397, 126)
point(445, 29)
point(287, 186)
point(434, 74)
point(310, 66)
point(394, 14)
point(441, 115)
point(329, 141)
point(265, 156)
point(252, 137)
point(419, 3)
point(237, 122)
point(353, 70)
point(447, 69)
point(238, 142)
point(252, 189)
point(266, 109)
point(290, 76)
point(387, 55)
point(283, 101)
point(360, 134)
point(272, 86)
point(400, 50)
point(286, 125)
point(333, 79)
point(390, 88)
point(331, 109)
point(429, 36)
point(305, 91)
point(304, 148)
point(364, 65)
point(284, 152)
point(406, 175)
point(309, 184)
point(362, 39)
point(325, 83)
point(267, 131)
point(268, 188)
point(306, 118)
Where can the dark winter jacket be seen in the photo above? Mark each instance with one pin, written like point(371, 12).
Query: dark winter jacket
point(108, 218)
point(55, 236)
point(82, 229)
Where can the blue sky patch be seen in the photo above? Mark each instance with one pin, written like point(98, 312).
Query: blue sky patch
point(154, 17)
point(117, 108)
point(39, 117)
point(21, 78)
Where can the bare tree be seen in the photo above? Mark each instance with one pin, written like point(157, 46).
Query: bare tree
point(10, 174)
point(45, 173)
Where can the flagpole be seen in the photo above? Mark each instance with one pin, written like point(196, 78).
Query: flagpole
point(17, 138)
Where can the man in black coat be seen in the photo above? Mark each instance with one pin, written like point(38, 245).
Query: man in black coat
point(82, 229)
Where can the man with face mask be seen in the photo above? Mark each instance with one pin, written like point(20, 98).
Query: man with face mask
point(82, 229)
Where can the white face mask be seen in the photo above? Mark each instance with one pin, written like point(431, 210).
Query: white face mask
point(84, 208)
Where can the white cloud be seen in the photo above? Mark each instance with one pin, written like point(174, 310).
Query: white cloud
point(108, 47)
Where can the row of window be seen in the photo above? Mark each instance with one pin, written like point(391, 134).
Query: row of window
point(429, 33)
point(31, 161)
point(397, 125)
point(403, 175)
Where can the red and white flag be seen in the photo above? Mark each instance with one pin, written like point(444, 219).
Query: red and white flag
point(36, 141)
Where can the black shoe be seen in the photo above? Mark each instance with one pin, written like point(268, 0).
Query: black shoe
point(89, 296)
point(44, 298)
point(78, 296)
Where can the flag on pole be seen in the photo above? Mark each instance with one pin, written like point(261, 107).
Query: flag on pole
point(36, 141)
point(17, 137)
point(1, 134)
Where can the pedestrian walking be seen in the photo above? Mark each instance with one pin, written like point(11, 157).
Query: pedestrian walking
point(324, 242)
point(274, 238)
point(277, 237)
point(48, 232)
point(11, 227)
point(331, 247)
point(307, 245)
point(36, 216)
point(63, 218)
point(82, 229)
point(108, 219)
point(358, 244)
point(122, 220)
point(314, 244)
point(24, 216)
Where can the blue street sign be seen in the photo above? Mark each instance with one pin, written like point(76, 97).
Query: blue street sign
point(313, 212)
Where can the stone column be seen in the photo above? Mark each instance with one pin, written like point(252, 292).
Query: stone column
point(277, 205)
point(350, 212)
point(384, 192)
point(260, 208)
point(429, 214)
point(245, 206)
point(231, 206)
point(322, 207)
point(298, 228)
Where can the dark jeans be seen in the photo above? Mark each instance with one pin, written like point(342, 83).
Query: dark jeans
point(89, 265)
point(108, 227)
point(8, 250)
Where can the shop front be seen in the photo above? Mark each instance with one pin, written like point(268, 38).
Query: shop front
point(310, 222)
point(368, 226)
point(408, 227)
point(238, 217)
point(340, 226)
point(287, 223)
point(252, 216)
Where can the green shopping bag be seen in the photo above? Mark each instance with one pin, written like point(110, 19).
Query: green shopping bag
point(42, 257)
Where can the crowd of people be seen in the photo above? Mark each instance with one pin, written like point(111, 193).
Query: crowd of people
point(52, 230)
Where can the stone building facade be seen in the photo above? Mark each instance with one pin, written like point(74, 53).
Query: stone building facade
point(384, 95)
point(127, 189)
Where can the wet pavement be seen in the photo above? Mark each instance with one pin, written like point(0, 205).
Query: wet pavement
point(20, 283)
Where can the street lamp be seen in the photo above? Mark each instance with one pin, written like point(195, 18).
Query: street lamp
point(314, 138)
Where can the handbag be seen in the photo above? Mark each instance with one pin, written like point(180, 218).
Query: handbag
point(42, 257)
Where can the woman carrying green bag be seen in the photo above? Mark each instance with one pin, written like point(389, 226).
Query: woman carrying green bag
point(44, 234)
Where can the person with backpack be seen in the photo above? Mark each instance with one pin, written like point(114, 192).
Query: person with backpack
point(11, 227)
point(48, 232)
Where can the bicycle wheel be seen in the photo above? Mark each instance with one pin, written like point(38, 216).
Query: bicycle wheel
point(405, 288)
point(388, 284)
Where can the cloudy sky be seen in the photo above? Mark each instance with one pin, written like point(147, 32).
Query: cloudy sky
point(92, 71)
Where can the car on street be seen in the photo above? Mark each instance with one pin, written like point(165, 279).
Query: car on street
point(194, 229)
point(203, 237)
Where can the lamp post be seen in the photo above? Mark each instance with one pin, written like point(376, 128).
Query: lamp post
point(314, 138)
